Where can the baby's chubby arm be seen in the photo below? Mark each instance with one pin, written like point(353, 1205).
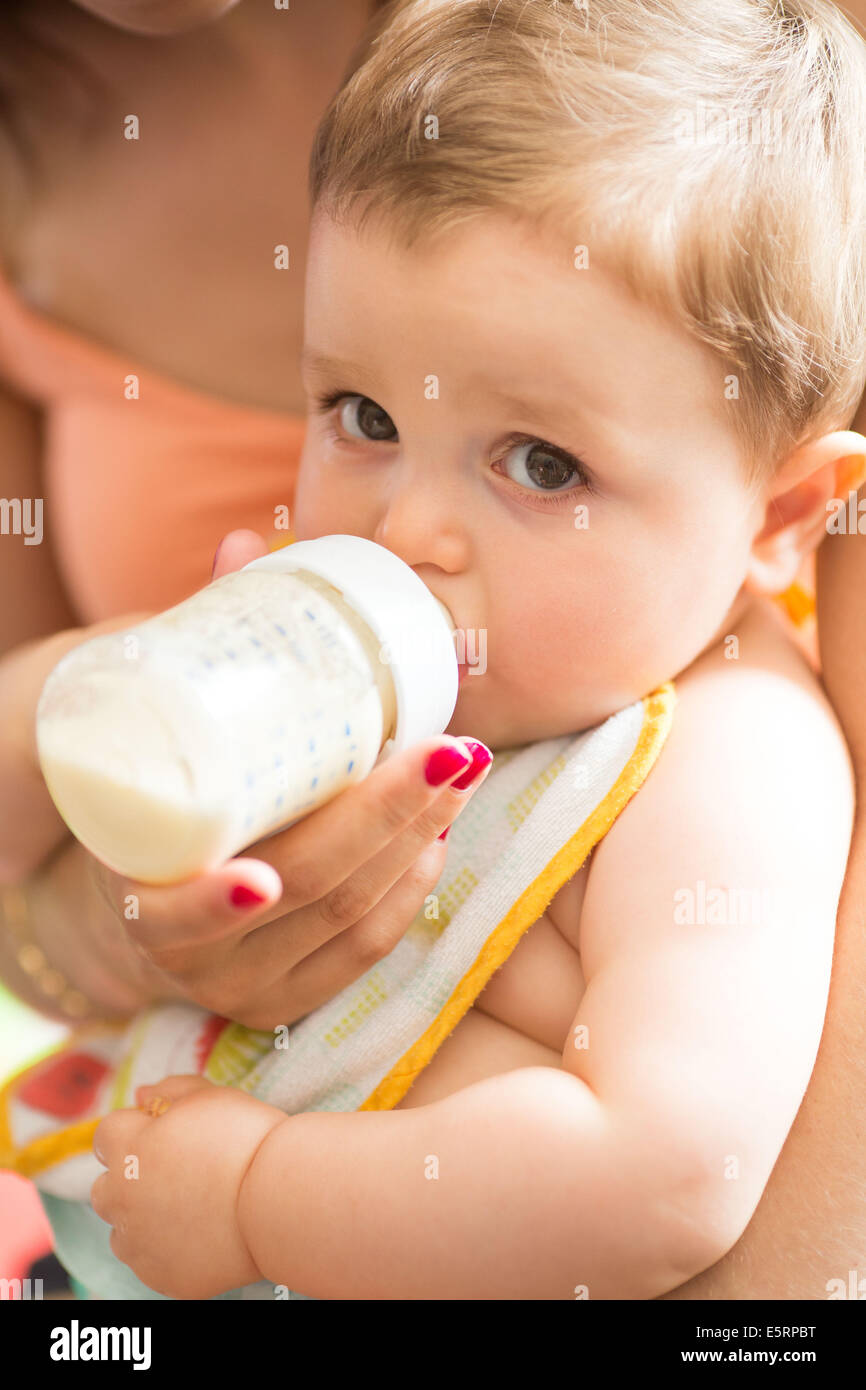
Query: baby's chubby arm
point(641, 1161)
point(707, 933)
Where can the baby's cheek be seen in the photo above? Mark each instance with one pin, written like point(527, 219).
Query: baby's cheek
point(309, 503)
point(628, 640)
point(669, 631)
point(327, 503)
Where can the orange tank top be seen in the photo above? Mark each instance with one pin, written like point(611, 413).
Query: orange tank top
point(142, 476)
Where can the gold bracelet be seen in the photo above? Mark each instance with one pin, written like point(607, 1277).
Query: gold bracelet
point(33, 961)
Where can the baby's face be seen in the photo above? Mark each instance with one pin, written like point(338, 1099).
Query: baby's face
point(550, 457)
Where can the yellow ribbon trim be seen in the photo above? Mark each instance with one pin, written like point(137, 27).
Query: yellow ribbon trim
point(658, 715)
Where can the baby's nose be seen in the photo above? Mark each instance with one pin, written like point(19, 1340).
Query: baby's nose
point(425, 530)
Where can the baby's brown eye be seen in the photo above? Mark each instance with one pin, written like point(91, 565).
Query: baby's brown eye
point(546, 469)
point(365, 419)
point(537, 465)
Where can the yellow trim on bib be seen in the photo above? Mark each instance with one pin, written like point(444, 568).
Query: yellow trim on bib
point(658, 715)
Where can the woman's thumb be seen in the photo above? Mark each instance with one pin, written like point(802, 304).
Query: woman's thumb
point(235, 550)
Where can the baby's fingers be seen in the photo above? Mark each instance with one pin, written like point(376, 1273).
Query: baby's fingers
point(168, 1089)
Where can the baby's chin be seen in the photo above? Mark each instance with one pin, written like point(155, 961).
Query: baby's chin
point(502, 723)
point(502, 705)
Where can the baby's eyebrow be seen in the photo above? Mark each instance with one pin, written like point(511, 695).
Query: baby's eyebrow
point(523, 405)
point(318, 361)
point(549, 387)
point(339, 371)
point(562, 408)
point(543, 407)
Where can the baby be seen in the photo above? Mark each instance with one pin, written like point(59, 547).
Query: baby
point(585, 324)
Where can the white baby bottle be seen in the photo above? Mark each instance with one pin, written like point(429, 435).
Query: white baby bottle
point(172, 746)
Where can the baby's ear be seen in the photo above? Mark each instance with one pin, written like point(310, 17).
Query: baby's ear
point(851, 473)
point(806, 493)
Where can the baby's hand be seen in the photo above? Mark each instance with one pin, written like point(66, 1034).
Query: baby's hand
point(175, 1168)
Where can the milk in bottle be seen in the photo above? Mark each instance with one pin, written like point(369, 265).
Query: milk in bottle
point(172, 746)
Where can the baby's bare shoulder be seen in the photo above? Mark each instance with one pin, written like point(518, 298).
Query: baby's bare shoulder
point(753, 786)
point(753, 699)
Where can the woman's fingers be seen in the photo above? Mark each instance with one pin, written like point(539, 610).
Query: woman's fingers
point(300, 988)
point(288, 943)
point(237, 549)
point(404, 802)
point(166, 920)
point(356, 895)
point(338, 862)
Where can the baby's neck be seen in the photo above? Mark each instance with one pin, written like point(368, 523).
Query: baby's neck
point(746, 612)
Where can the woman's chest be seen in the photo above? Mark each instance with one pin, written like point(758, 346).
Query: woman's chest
point(523, 1016)
point(169, 218)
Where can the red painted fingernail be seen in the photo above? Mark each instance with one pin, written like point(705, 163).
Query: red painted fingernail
point(443, 764)
point(444, 834)
point(242, 896)
point(481, 758)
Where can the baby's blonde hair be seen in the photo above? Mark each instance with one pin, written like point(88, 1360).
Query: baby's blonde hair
point(713, 155)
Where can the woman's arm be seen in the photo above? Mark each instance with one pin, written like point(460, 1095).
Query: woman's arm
point(62, 949)
point(37, 627)
point(810, 1226)
point(43, 872)
point(34, 601)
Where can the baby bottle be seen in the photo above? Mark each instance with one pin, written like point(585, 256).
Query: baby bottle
point(171, 746)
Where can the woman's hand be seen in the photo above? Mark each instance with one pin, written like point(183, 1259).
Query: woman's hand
point(271, 935)
point(30, 825)
point(265, 940)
